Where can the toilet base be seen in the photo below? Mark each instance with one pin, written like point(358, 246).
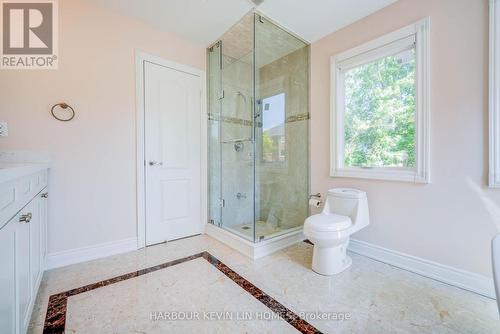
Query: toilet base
point(330, 261)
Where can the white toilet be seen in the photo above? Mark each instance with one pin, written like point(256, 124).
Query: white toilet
point(345, 212)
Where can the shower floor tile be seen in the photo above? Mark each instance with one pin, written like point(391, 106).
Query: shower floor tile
point(369, 297)
point(262, 230)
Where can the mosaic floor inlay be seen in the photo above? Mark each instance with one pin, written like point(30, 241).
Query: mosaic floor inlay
point(374, 297)
point(55, 321)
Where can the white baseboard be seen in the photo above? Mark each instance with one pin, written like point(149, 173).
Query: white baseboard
point(250, 249)
point(460, 278)
point(77, 255)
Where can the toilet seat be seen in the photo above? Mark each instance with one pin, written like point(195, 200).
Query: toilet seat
point(328, 223)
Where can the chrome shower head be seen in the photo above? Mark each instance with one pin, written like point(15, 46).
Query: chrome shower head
point(257, 2)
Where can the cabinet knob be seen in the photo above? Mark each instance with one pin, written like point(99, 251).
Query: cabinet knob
point(44, 195)
point(26, 218)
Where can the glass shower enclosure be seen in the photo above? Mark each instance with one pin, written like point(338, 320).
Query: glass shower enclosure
point(258, 130)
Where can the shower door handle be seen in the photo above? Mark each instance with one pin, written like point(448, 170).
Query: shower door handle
point(256, 114)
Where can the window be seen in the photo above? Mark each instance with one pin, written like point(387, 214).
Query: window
point(380, 108)
point(273, 129)
point(494, 119)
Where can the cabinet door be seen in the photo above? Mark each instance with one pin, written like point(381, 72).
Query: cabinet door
point(35, 244)
point(7, 277)
point(43, 226)
point(24, 291)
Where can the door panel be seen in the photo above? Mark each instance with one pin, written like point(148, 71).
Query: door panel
point(173, 153)
point(23, 270)
point(174, 124)
point(35, 230)
point(175, 199)
point(7, 277)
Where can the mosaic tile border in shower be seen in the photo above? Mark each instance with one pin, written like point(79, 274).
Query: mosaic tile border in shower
point(230, 120)
point(297, 118)
point(55, 320)
point(246, 122)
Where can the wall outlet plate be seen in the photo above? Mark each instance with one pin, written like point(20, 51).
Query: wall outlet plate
point(4, 129)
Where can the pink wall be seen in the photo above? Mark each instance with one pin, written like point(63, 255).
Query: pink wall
point(93, 176)
point(451, 220)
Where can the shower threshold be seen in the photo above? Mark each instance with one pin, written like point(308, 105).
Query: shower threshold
point(238, 239)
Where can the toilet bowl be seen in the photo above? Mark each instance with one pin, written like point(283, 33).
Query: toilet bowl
point(345, 212)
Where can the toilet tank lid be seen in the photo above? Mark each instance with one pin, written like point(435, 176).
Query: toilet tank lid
point(347, 193)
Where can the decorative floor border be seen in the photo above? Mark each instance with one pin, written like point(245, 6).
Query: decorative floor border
point(55, 320)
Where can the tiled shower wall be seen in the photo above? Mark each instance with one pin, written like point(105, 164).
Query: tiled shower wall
point(283, 189)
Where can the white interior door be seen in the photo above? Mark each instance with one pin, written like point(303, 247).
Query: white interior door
point(172, 105)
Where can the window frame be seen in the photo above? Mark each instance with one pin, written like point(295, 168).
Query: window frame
point(419, 34)
point(494, 95)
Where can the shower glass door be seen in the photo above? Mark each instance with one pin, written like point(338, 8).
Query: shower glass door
point(214, 78)
point(258, 130)
point(237, 132)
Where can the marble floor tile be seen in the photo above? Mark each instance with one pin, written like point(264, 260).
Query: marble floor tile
point(193, 290)
point(370, 297)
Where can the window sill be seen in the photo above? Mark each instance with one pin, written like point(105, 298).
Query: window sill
point(381, 174)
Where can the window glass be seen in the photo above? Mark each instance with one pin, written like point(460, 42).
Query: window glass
point(379, 119)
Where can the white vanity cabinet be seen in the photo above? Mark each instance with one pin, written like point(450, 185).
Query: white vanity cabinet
point(7, 278)
point(22, 248)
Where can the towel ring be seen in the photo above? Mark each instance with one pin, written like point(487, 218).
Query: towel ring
point(63, 105)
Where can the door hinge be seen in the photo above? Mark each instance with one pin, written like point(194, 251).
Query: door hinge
point(221, 60)
point(213, 222)
point(222, 202)
point(221, 95)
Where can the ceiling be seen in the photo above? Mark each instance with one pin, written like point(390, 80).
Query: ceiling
point(271, 42)
point(204, 21)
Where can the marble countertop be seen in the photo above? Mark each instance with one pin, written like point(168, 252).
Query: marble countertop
point(14, 170)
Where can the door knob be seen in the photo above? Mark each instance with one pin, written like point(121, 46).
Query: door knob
point(155, 163)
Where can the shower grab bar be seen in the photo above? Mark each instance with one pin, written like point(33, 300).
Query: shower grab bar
point(236, 140)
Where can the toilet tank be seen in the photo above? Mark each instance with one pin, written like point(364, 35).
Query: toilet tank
point(348, 202)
